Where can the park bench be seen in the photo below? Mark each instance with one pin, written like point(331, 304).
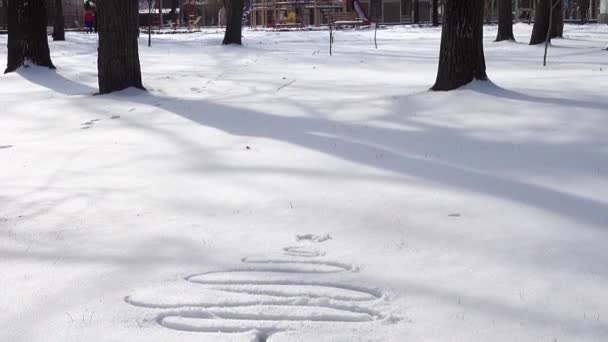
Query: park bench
point(345, 19)
point(194, 23)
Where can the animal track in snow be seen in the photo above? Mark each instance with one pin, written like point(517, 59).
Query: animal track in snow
point(267, 296)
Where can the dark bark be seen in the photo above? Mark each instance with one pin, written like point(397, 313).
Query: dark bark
point(583, 10)
point(505, 20)
point(487, 12)
point(416, 14)
point(150, 4)
point(435, 12)
point(3, 14)
point(234, 22)
point(59, 24)
point(173, 13)
point(557, 29)
point(118, 54)
point(541, 22)
point(461, 57)
point(27, 39)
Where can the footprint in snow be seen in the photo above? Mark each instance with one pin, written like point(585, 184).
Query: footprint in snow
point(89, 124)
point(265, 296)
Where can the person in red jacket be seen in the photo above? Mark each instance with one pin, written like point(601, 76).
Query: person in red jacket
point(88, 21)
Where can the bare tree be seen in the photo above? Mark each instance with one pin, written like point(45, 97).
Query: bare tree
point(583, 8)
point(505, 21)
point(549, 17)
point(234, 21)
point(173, 13)
point(59, 23)
point(27, 38)
point(542, 20)
point(550, 28)
point(435, 12)
point(118, 53)
point(557, 26)
point(461, 56)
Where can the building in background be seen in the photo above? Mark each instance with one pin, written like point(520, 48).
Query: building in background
point(73, 13)
point(179, 12)
point(603, 17)
point(383, 11)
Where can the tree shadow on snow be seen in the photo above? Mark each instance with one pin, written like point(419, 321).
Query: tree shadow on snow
point(491, 89)
point(52, 79)
point(362, 144)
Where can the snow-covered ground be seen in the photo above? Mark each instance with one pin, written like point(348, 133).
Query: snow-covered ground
point(271, 191)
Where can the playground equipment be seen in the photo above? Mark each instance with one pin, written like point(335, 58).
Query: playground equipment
point(280, 13)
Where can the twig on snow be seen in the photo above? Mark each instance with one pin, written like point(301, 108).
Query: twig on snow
point(286, 85)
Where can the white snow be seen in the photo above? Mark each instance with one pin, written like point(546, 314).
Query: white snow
point(272, 192)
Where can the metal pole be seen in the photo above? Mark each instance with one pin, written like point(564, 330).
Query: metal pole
point(375, 34)
point(150, 23)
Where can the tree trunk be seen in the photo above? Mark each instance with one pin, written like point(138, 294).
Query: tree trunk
point(487, 12)
point(118, 54)
point(59, 24)
point(557, 29)
point(234, 22)
point(27, 40)
point(584, 10)
point(3, 14)
point(435, 12)
point(416, 14)
point(461, 57)
point(173, 13)
point(505, 21)
point(541, 22)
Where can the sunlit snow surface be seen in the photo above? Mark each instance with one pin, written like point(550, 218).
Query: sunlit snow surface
point(272, 192)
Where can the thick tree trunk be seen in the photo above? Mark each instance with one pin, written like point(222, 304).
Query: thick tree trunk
point(435, 12)
point(234, 22)
point(557, 29)
point(584, 10)
point(541, 22)
point(118, 54)
point(416, 14)
point(505, 21)
point(59, 24)
point(27, 40)
point(461, 57)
